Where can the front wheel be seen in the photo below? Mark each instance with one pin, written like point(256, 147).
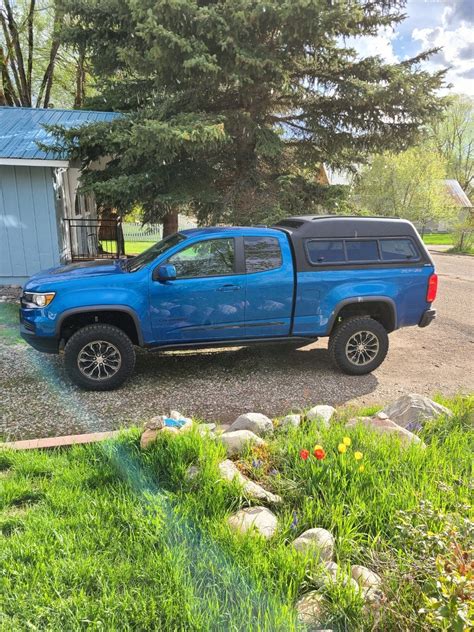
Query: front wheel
point(358, 345)
point(99, 357)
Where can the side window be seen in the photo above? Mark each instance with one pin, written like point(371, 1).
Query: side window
point(365, 250)
point(398, 249)
point(262, 253)
point(326, 251)
point(213, 257)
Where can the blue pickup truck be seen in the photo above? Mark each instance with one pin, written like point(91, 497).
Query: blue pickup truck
point(353, 279)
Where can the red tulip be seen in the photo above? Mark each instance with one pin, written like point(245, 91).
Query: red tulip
point(304, 454)
point(319, 454)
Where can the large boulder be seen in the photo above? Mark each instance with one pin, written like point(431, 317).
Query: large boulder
point(236, 442)
point(321, 413)
point(385, 426)
point(290, 421)
point(260, 519)
point(318, 543)
point(229, 472)
point(255, 422)
point(412, 411)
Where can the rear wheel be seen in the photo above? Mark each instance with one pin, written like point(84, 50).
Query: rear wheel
point(99, 357)
point(358, 345)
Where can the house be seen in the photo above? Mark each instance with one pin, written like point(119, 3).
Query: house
point(42, 217)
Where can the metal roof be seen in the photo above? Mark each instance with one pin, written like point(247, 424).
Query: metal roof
point(456, 193)
point(22, 128)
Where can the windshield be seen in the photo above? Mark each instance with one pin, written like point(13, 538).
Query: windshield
point(152, 253)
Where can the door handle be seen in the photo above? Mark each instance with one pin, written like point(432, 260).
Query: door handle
point(229, 287)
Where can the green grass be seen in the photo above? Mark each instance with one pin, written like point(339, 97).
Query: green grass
point(106, 537)
point(442, 239)
point(137, 247)
point(9, 324)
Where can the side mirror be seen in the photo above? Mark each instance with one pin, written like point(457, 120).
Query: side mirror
point(164, 273)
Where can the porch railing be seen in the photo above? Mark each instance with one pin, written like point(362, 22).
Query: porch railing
point(94, 238)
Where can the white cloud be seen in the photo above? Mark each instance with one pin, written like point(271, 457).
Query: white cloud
point(380, 44)
point(456, 42)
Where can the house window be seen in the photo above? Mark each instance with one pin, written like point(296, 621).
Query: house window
point(213, 257)
point(262, 253)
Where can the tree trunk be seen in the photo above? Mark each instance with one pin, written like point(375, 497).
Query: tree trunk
point(170, 223)
point(80, 81)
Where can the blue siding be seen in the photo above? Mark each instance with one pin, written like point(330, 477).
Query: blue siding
point(28, 232)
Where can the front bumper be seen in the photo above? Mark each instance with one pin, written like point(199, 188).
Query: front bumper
point(40, 343)
point(428, 316)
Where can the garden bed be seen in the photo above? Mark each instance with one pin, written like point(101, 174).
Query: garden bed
point(111, 537)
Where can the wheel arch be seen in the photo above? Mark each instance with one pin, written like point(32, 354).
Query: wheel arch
point(380, 308)
point(109, 314)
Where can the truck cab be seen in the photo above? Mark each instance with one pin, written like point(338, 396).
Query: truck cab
point(353, 280)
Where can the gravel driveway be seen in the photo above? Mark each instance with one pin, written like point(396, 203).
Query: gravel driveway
point(37, 400)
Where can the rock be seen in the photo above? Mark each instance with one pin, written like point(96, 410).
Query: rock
point(411, 411)
point(170, 430)
point(290, 421)
point(206, 430)
point(155, 423)
point(192, 471)
point(148, 437)
point(316, 542)
point(229, 471)
point(174, 414)
point(331, 570)
point(310, 609)
point(259, 518)
point(255, 422)
point(321, 413)
point(365, 577)
point(236, 442)
point(387, 427)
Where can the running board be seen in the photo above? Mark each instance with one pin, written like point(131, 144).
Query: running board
point(240, 342)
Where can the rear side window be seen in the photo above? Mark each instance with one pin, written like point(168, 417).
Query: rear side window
point(262, 253)
point(339, 251)
point(362, 250)
point(326, 251)
point(398, 249)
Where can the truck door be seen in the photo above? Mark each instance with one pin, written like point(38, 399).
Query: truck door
point(270, 284)
point(206, 301)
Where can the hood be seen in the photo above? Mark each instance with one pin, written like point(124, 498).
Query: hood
point(74, 271)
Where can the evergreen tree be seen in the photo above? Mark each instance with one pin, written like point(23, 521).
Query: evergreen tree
point(230, 105)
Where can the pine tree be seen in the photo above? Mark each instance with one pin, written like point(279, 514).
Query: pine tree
point(229, 106)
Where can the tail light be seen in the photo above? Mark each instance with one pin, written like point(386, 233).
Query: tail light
point(432, 288)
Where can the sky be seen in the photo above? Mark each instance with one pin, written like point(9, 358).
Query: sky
point(431, 23)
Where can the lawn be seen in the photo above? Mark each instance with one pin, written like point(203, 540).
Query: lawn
point(137, 247)
point(107, 537)
point(439, 239)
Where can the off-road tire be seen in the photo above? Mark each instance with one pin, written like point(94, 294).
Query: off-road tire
point(341, 335)
point(108, 334)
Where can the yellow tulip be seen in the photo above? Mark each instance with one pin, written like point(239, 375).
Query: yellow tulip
point(361, 467)
point(318, 447)
point(358, 456)
point(347, 441)
point(342, 448)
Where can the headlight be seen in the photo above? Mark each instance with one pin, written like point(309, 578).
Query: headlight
point(37, 299)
